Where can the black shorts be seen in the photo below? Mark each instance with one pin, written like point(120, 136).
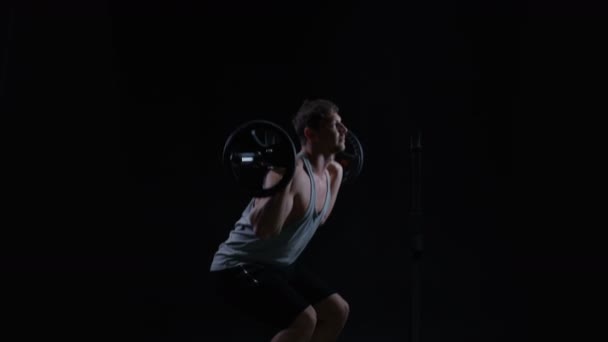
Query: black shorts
point(274, 295)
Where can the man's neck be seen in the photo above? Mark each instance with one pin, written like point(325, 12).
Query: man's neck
point(318, 161)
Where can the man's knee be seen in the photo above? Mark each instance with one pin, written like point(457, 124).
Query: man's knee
point(333, 309)
point(306, 321)
point(342, 310)
point(345, 309)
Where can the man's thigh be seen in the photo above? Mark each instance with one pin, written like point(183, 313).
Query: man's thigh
point(309, 285)
point(261, 292)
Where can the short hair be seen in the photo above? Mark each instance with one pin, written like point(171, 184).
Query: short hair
point(310, 115)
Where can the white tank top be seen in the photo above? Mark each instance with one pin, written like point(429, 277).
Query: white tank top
point(244, 247)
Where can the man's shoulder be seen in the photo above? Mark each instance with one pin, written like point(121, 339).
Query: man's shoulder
point(300, 171)
point(300, 176)
point(299, 163)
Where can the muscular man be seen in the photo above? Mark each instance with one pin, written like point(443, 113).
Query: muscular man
point(256, 269)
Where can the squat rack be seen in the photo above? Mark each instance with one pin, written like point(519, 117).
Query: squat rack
point(416, 235)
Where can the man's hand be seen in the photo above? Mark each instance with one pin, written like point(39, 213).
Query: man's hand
point(280, 170)
point(335, 169)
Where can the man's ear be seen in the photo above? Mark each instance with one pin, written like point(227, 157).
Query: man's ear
point(309, 133)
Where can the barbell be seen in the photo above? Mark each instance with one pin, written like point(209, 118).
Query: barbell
point(258, 146)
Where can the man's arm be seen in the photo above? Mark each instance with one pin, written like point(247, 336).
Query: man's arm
point(269, 213)
point(336, 172)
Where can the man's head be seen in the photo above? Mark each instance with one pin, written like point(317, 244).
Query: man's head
point(318, 121)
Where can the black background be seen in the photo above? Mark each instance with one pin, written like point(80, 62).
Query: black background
point(115, 115)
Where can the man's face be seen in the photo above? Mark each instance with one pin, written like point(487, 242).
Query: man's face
point(331, 134)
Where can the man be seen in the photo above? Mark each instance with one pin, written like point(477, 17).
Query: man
point(256, 269)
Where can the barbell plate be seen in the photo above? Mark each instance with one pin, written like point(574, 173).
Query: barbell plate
point(351, 158)
point(255, 148)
